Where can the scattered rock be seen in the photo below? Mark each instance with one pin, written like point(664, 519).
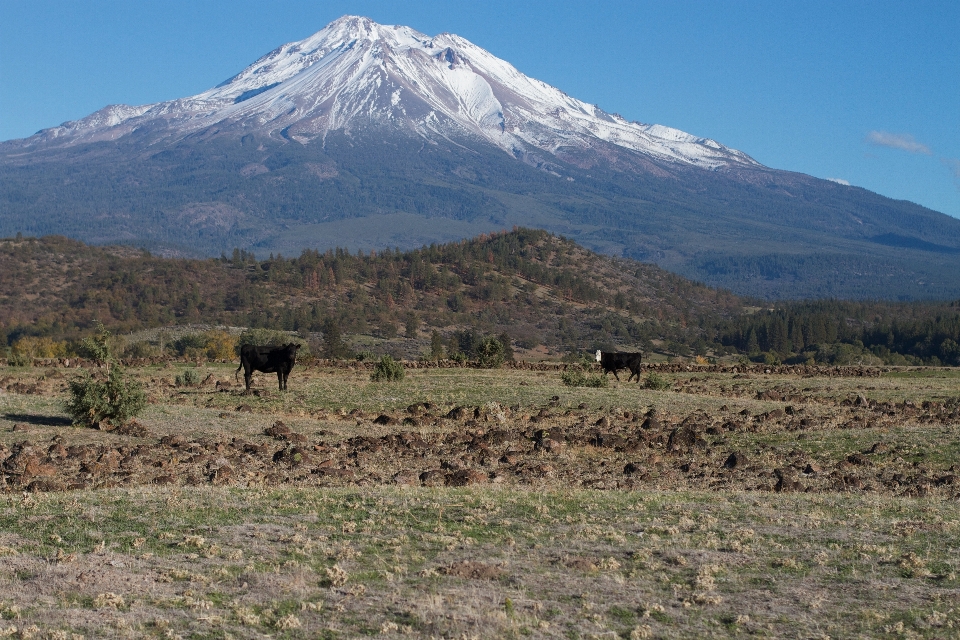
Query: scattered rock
point(879, 447)
point(812, 467)
point(735, 460)
point(278, 431)
point(786, 482)
point(175, 440)
point(466, 477)
point(457, 413)
point(433, 478)
point(684, 437)
point(858, 459)
point(581, 564)
point(133, 428)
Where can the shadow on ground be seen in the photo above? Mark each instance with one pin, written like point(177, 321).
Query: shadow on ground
point(42, 421)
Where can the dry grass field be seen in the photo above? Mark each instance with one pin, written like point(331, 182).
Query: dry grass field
point(465, 503)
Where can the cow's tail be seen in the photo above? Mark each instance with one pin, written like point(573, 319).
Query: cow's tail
point(236, 374)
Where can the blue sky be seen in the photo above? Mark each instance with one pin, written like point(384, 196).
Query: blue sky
point(867, 92)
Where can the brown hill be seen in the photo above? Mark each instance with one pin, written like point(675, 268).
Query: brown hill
point(539, 288)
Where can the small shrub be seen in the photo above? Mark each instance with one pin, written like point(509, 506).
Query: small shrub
point(490, 353)
point(220, 345)
point(363, 356)
point(114, 400)
point(33, 347)
point(387, 370)
point(576, 378)
point(142, 349)
point(18, 359)
point(657, 382)
point(192, 345)
point(596, 381)
point(189, 378)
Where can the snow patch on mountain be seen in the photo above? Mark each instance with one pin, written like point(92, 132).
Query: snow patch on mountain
point(355, 73)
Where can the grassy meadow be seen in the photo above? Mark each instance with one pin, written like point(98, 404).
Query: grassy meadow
point(550, 540)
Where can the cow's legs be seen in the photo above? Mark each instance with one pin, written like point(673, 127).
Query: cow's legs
point(615, 375)
point(280, 380)
point(248, 377)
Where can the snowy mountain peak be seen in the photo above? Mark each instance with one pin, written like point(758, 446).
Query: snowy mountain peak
point(356, 73)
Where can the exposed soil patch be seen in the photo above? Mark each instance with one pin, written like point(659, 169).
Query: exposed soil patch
point(464, 446)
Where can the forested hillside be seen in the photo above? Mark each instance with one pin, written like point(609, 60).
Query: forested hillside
point(540, 290)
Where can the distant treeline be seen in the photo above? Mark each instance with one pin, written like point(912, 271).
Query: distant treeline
point(535, 287)
point(540, 288)
point(895, 333)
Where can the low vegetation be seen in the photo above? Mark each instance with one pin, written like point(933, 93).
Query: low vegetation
point(786, 501)
point(107, 396)
point(387, 370)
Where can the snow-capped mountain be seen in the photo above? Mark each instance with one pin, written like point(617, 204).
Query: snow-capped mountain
point(368, 136)
point(356, 73)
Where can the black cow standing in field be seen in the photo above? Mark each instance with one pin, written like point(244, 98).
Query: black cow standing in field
point(267, 360)
point(614, 360)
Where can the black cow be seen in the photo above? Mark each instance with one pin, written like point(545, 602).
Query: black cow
point(267, 360)
point(614, 360)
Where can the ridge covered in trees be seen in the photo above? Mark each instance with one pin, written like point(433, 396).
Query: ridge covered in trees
point(529, 286)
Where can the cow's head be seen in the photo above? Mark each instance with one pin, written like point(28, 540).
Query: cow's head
point(598, 355)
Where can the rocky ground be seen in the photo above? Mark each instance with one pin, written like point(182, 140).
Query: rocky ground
point(806, 442)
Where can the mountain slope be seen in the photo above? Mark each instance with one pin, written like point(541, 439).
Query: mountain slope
point(369, 136)
point(358, 73)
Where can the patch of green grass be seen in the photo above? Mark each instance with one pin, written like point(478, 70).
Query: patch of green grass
point(923, 372)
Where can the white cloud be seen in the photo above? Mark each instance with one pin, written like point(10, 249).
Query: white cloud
point(902, 141)
point(839, 181)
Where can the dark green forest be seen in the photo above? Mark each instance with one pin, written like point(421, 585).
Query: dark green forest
point(846, 332)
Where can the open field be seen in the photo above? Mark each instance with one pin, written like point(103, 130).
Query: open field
point(487, 503)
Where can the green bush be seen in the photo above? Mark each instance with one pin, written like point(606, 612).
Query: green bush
point(112, 398)
point(387, 370)
point(189, 378)
point(490, 353)
point(18, 359)
point(577, 378)
point(657, 382)
point(142, 349)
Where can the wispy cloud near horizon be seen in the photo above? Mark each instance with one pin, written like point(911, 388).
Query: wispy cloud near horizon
point(902, 141)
